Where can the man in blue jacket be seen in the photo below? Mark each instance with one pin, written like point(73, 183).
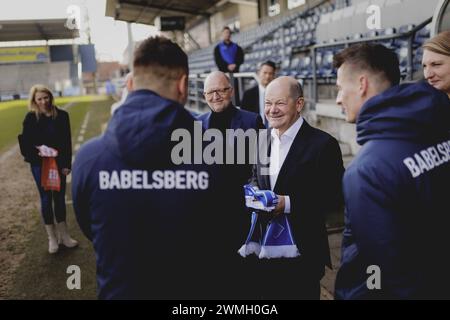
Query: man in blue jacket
point(395, 242)
point(228, 55)
point(223, 116)
point(150, 220)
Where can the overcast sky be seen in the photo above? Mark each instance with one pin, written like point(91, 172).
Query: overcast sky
point(108, 35)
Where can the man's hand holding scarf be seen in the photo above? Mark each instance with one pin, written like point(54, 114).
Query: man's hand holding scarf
point(268, 238)
point(279, 209)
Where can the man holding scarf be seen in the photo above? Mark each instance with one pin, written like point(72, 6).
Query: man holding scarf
point(287, 248)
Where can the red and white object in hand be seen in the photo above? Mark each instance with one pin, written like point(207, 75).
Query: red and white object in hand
point(47, 152)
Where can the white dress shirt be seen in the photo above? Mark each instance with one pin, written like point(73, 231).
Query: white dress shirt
point(279, 149)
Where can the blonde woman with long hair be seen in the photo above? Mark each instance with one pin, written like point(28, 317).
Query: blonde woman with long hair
point(47, 125)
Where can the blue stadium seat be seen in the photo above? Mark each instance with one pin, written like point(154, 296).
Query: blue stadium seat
point(305, 67)
point(422, 36)
point(406, 28)
point(319, 60)
point(287, 39)
point(389, 43)
point(285, 64)
point(403, 59)
point(327, 69)
point(417, 59)
point(316, 18)
point(293, 68)
point(309, 40)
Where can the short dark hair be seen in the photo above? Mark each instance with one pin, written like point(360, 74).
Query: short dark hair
point(373, 57)
point(161, 53)
point(268, 63)
point(226, 28)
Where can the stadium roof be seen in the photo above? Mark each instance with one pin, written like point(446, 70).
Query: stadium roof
point(22, 30)
point(145, 11)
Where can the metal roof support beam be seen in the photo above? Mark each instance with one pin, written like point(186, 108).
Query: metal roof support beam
point(162, 7)
point(41, 31)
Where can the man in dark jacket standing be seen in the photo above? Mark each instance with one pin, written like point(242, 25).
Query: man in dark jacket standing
point(253, 99)
point(228, 57)
point(227, 54)
point(395, 240)
point(304, 169)
point(148, 217)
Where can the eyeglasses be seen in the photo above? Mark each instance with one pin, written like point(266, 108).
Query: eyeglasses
point(220, 92)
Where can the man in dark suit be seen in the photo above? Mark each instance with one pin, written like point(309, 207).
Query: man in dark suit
point(305, 170)
point(253, 99)
point(231, 212)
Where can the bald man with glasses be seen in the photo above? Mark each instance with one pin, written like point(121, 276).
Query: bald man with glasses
point(218, 93)
point(231, 212)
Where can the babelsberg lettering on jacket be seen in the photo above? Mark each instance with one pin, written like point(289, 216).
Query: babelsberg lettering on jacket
point(428, 159)
point(142, 179)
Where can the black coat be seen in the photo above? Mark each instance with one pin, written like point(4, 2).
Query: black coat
point(311, 176)
point(54, 133)
point(250, 100)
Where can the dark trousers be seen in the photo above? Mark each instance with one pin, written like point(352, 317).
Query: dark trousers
point(235, 82)
point(53, 203)
point(280, 279)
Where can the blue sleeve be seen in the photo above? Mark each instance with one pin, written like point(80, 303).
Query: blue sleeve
point(259, 123)
point(80, 196)
point(371, 196)
point(66, 148)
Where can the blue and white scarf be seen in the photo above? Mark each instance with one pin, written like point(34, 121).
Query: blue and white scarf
point(276, 241)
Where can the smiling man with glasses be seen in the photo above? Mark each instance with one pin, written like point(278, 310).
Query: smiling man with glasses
point(218, 93)
point(231, 212)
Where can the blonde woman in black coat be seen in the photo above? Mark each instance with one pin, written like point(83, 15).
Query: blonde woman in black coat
point(48, 125)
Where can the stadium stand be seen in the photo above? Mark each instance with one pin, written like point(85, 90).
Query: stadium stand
point(272, 40)
point(280, 40)
point(288, 40)
point(303, 44)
